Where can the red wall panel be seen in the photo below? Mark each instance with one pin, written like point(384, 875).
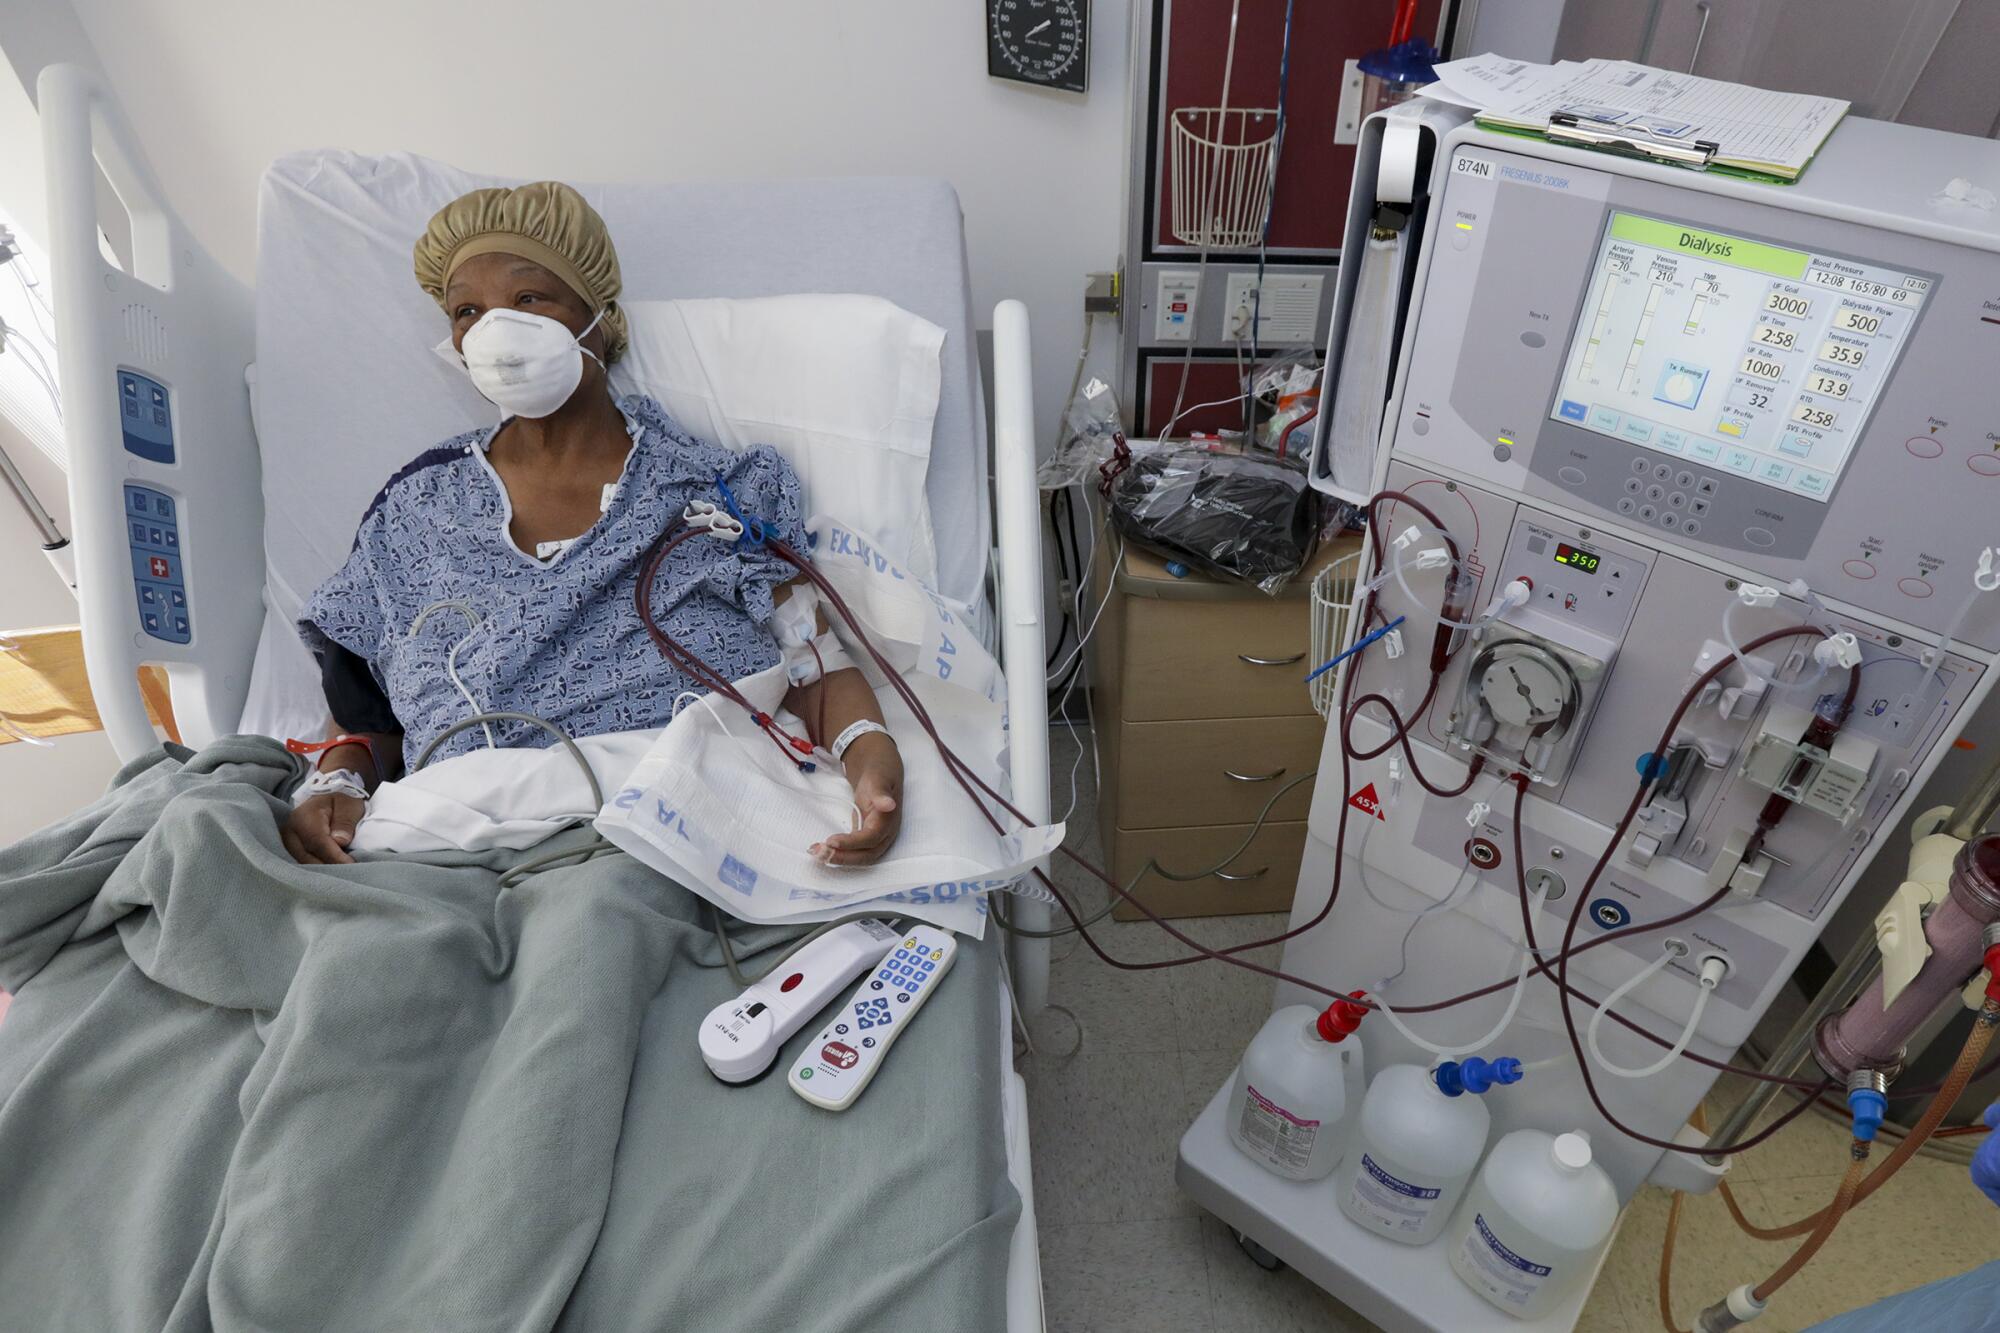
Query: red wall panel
point(1314, 173)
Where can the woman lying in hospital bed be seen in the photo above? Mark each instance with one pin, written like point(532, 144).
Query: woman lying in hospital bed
point(497, 571)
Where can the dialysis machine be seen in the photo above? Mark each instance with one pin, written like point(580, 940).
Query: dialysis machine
point(1656, 411)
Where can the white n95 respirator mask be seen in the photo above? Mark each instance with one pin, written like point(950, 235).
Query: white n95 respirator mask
point(526, 365)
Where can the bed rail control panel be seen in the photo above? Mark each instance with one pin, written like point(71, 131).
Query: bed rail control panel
point(152, 529)
point(146, 415)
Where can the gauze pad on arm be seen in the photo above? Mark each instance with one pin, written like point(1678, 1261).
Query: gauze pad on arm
point(810, 652)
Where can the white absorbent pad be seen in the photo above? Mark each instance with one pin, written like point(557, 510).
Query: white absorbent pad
point(483, 799)
point(717, 806)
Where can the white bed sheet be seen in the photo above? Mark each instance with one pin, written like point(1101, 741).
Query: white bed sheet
point(345, 390)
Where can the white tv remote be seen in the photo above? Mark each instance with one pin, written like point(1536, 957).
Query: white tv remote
point(741, 1037)
point(838, 1063)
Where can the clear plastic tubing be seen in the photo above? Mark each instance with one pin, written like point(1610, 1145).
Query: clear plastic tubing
point(1626, 987)
point(1506, 1019)
point(1421, 607)
point(1934, 678)
point(1755, 666)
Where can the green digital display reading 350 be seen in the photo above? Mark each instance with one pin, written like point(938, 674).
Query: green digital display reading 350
point(1582, 561)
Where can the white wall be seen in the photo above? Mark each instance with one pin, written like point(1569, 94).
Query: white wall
point(640, 90)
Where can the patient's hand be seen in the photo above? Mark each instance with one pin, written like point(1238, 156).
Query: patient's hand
point(321, 827)
point(875, 770)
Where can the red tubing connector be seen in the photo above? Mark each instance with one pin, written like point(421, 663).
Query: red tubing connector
point(1342, 1017)
point(1992, 974)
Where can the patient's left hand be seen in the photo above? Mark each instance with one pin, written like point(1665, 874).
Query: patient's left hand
point(875, 770)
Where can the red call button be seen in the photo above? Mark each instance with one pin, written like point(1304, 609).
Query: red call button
point(161, 569)
point(839, 1054)
point(792, 981)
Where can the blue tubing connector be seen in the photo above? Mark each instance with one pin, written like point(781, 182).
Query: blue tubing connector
point(1868, 1106)
point(1455, 1078)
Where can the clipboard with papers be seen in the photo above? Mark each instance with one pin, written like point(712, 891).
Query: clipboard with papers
point(1617, 106)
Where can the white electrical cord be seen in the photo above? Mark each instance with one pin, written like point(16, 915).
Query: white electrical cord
point(1712, 972)
point(1513, 1001)
point(1190, 411)
point(1084, 630)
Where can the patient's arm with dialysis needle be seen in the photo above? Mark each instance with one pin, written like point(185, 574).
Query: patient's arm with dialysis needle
point(829, 706)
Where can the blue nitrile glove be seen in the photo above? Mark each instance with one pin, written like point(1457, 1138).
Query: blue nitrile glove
point(1986, 1162)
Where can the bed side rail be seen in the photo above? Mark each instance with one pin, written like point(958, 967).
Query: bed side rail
point(164, 484)
point(1017, 502)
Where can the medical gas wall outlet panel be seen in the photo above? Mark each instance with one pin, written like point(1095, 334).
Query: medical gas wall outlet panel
point(740, 1038)
point(1174, 305)
point(838, 1064)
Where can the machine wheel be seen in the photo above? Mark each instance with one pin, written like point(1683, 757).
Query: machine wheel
point(1259, 1256)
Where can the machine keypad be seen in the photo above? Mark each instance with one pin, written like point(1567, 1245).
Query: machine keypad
point(153, 532)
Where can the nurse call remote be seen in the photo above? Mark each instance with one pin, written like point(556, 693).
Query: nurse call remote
point(740, 1037)
point(838, 1063)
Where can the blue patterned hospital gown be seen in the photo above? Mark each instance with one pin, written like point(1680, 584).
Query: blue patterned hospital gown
point(559, 639)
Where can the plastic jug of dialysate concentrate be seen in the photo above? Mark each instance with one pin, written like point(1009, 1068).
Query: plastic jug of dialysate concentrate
point(1418, 1137)
point(1532, 1225)
point(1295, 1089)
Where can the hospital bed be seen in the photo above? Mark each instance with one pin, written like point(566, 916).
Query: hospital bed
point(256, 426)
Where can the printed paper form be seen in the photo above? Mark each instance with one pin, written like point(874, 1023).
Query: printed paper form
point(1751, 126)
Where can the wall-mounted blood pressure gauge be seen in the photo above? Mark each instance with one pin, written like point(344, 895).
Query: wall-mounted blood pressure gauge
point(1043, 42)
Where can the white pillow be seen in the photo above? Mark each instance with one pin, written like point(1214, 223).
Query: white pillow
point(845, 387)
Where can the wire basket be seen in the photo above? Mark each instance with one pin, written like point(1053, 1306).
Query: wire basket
point(1332, 598)
point(1221, 171)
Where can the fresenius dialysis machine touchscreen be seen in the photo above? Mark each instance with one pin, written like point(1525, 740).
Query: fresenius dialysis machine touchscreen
point(1758, 359)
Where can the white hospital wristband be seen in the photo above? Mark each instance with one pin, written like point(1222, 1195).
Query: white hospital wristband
point(855, 731)
point(339, 781)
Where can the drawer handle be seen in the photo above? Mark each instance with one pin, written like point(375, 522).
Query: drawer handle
point(1234, 776)
point(1272, 661)
point(1258, 873)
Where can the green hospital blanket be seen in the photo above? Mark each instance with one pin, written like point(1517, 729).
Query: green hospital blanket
point(237, 1092)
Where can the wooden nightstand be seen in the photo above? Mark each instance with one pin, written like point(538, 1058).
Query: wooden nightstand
point(1202, 713)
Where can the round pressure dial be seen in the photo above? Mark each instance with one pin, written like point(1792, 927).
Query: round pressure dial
point(1045, 42)
point(1523, 691)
